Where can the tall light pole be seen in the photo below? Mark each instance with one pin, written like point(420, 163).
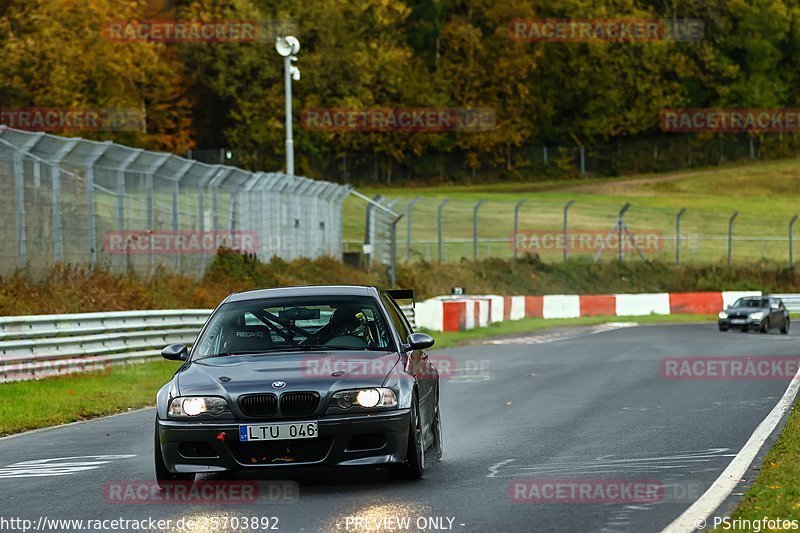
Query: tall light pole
point(287, 47)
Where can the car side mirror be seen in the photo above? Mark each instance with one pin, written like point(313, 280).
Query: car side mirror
point(419, 341)
point(175, 352)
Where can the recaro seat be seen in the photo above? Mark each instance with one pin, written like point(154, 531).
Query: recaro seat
point(240, 337)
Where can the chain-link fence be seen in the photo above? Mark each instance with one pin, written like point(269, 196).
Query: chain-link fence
point(443, 229)
point(659, 153)
point(68, 200)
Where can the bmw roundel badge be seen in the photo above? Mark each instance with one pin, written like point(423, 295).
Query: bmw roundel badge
point(278, 384)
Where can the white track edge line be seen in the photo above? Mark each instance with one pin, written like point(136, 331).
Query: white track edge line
point(727, 481)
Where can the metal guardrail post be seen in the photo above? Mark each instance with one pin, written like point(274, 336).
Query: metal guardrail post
point(440, 208)
point(475, 229)
point(202, 184)
point(55, 179)
point(150, 186)
point(620, 228)
point(369, 232)
point(791, 243)
point(338, 200)
point(19, 192)
point(409, 213)
point(516, 226)
point(270, 224)
point(91, 228)
point(730, 237)
point(214, 184)
point(678, 236)
point(176, 191)
point(566, 228)
point(393, 250)
point(121, 170)
point(330, 245)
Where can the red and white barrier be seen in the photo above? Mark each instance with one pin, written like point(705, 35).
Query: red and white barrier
point(458, 313)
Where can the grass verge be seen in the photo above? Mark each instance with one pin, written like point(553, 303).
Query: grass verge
point(29, 405)
point(47, 402)
point(776, 492)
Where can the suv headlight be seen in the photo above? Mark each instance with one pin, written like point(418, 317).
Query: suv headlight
point(757, 315)
point(723, 315)
point(197, 405)
point(367, 398)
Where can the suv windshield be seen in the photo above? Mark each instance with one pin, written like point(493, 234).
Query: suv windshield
point(295, 324)
point(751, 302)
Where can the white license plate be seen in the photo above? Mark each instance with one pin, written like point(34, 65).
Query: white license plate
point(738, 321)
point(293, 430)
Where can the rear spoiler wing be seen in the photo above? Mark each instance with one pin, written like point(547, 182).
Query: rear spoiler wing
point(402, 294)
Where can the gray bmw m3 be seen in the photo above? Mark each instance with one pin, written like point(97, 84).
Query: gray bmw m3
point(296, 377)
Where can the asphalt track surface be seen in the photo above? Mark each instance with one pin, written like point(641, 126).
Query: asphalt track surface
point(575, 404)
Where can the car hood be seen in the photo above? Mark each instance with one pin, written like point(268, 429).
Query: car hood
point(321, 372)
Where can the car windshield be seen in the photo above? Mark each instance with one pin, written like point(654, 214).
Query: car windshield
point(751, 302)
point(270, 326)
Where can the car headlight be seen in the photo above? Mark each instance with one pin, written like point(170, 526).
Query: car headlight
point(197, 405)
point(368, 398)
point(723, 315)
point(757, 315)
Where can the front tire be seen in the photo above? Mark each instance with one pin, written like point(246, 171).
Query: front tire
point(723, 329)
point(414, 465)
point(765, 326)
point(165, 478)
point(785, 328)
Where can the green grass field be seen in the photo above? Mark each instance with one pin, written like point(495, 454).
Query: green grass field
point(765, 194)
point(28, 405)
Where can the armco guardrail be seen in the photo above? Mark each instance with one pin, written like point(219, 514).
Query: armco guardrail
point(38, 346)
point(408, 310)
point(45, 345)
point(790, 301)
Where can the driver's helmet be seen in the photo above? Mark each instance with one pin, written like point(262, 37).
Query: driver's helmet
point(345, 317)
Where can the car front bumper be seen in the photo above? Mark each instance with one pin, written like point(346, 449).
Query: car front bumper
point(356, 440)
point(739, 323)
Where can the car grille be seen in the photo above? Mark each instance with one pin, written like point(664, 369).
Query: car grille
point(299, 403)
point(259, 405)
point(281, 451)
